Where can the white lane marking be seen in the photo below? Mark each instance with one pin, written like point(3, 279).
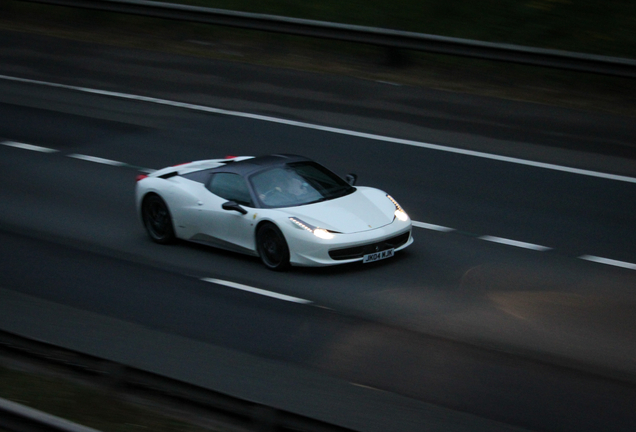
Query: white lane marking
point(515, 243)
point(298, 300)
point(28, 146)
point(256, 290)
point(367, 387)
point(331, 129)
point(431, 226)
point(608, 261)
point(96, 159)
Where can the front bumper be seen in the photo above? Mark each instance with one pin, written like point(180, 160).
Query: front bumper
point(308, 250)
point(359, 251)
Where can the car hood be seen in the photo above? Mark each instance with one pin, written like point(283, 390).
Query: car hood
point(363, 210)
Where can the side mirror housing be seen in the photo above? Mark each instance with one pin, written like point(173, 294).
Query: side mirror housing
point(232, 205)
point(351, 179)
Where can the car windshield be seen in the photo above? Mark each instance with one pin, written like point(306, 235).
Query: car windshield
point(298, 184)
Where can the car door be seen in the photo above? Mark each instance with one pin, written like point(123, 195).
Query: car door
point(226, 228)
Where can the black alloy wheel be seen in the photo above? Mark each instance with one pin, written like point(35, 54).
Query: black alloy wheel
point(272, 247)
point(157, 219)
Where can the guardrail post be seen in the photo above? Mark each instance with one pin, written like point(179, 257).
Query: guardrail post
point(396, 57)
point(264, 418)
point(113, 375)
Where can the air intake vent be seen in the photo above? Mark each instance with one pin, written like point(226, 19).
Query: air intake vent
point(360, 251)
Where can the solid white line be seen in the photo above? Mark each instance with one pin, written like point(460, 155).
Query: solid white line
point(431, 226)
point(331, 129)
point(515, 243)
point(28, 146)
point(96, 159)
point(257, 290)
point(608, 261)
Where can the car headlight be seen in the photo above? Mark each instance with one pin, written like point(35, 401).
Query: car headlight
point(318, 232)
point(400, 214)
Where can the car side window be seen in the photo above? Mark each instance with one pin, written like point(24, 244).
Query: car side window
point(230, 186)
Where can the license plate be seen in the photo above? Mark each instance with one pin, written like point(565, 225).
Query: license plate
point(377, 256)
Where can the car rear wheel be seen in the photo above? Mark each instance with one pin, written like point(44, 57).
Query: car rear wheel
point(272, 247)
point(157, 219)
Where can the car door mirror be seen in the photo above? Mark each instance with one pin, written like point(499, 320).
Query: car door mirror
point(232, 205)
point(351, 179)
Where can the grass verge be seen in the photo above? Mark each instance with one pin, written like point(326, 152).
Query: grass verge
point(502, 80)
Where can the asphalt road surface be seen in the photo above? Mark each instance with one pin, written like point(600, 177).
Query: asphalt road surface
point(504, 315)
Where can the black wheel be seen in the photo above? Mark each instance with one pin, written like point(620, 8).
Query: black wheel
point(272, 247)
point(157, 219)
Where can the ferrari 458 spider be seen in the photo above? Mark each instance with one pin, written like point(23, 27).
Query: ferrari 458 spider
point(286, 209)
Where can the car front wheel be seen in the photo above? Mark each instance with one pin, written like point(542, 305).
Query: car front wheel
point(272, 247)
point(157, 219)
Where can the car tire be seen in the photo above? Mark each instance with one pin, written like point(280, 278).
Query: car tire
point(272, 247)
point(157, 219)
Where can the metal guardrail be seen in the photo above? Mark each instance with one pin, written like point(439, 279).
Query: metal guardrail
point(16, 417)
point(590, 63)
point(121, 378)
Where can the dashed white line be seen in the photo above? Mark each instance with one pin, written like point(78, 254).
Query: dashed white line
point(608, 261)
point(431, 226)
point(256, 290)
point(329, 129)
point(28, 147)
point(366, 387)
point(96, 159)
point(333, 130)
point(515, 243)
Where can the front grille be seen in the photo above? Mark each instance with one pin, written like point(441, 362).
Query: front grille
point(362, 250)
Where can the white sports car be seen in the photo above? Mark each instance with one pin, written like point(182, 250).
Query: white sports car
point(286, 209)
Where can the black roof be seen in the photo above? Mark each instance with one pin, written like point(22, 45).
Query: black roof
point(248, 166)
